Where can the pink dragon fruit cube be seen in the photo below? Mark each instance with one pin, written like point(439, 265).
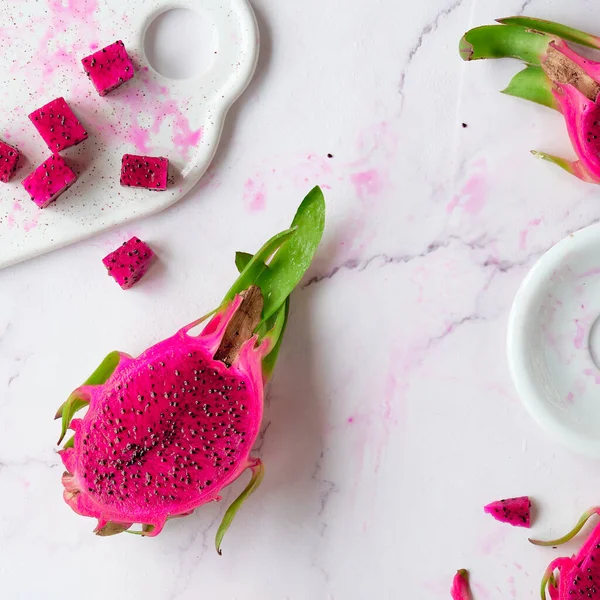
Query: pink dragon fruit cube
point(58, 125)
point(9, 157)
point(49, 180)
point(148, 172)
point(129, 262)
point(108, 68)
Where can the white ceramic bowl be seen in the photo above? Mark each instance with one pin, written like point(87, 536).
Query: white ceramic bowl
point(554, 341)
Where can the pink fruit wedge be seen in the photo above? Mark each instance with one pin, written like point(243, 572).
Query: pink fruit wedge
point(108, 68)
point(129, 262)
point(514, 511)
point(9, 157)
point(460, 586)
point(165, 432)
point(58, 125)
point(555, 76)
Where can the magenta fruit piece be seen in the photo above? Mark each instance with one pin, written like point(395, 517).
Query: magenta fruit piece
point(9, 157)
point(148, 172)
point(108, 68)
point(49, 180)
point(58, 125)
point(514, 511)
point(129, 262)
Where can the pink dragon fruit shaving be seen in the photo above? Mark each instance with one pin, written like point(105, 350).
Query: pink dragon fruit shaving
point(514, 511)
point(460, 586)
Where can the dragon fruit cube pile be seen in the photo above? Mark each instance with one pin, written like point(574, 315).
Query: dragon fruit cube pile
point(108, 68)
point(129, 263)
point(49, 181)
point(58, 125)
point(148, 172)
point(9, 157)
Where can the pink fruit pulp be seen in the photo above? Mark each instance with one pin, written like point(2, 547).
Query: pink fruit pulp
point(167, 431)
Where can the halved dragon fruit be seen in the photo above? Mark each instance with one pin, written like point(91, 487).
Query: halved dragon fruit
point(555, 76)
point(58, 125)
point(9, 157)
point(576, 577)
point(49, 180)
point(129, 262)
point(165, 432)
point(460, 589)
point(514, 511)
point(148, 172)
point(108, 68)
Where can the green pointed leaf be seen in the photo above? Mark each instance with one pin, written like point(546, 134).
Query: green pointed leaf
point(503, 41)
point(76, 402)
point(534, 85)
point(70, 407)
point(276, 335)
point(562, 31)
point(256, 265)
point(241, 260)
point(293, 259)
point(70, 443)
point(146, 530)
point(112, 529)
point(258, 473)
point(563, 163)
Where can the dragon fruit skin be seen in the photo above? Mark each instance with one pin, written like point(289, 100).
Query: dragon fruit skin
point(176, 427)
point(108, 68)
point(514, 511)
point(556, 76)
point(49, 180)
point(578, 576)
point(9, 157)
point(129, 262)
point(165, 432)
point(148, 172)
point(460, 589)
point(58, 125)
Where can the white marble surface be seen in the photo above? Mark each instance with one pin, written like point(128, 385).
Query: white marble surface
point(391, 419)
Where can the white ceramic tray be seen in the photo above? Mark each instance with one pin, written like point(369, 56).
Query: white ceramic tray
point(41, 45)
point(554, 341)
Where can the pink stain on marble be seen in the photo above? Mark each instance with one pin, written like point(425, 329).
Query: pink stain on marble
point(523, 235)
point(254, 195)
point(590, 273)
point(10, 220)
point(31, 223)
point(594, 374)
point(570, 398)
point(366, 183)
point(471, 198)
point(579, 338)
point(492, 541)
point(17, 207)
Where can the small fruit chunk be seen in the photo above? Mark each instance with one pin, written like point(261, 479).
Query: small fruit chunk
point(129, 263)
point(460, 586)
point(49, 180)
point(515, 511)
point(58, 125)
point(148, 172)
point(9, 157)
point(108, 68)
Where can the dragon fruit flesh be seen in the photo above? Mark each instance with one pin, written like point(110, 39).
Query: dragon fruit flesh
point(555, 76)
point(108, 68)
point(148, 172)
point(460, 589)
point(165, 432)
point(514, 511)
point(58, 125)
point(49, 180)
point(9, 157)
point(578, 576)
point(129, 262)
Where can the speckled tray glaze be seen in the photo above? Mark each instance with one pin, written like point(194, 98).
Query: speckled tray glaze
point(41, 45)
